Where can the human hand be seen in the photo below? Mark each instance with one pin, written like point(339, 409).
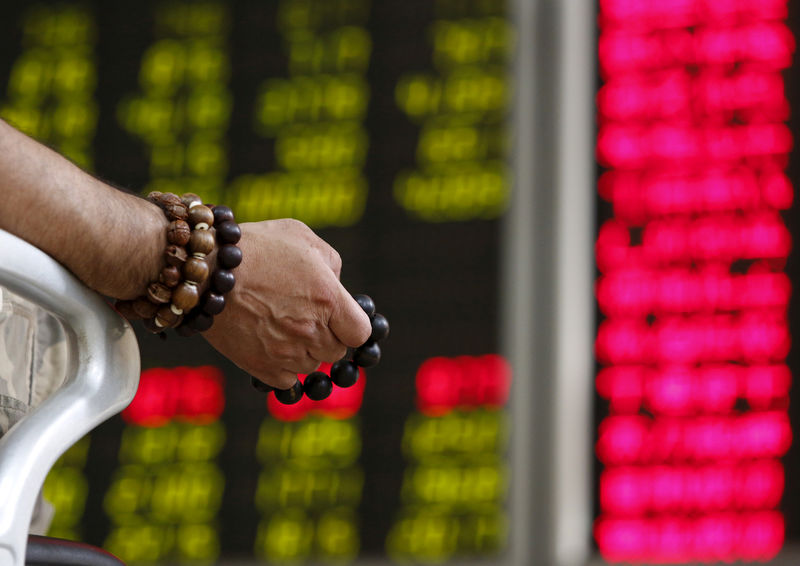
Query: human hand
point(288, 311)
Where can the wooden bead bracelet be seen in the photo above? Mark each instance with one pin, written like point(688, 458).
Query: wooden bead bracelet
point(171, 301)
point(229, 256)
point(344, 373)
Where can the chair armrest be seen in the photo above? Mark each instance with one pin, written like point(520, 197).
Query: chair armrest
point(102, 378)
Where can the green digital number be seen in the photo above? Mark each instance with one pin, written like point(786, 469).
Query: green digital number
point(455, 434)
point(288, 486)
point(424, 537)
point(318, 198)
point(337, 536)
point(463, 486)
point(149, 445)
point(200, 442)
point(322, 146)
point(471, 41)
point(313, 442)
point(187, 492)
point(455, 192)
point(66, 489)
point(346, 49)
point(198, 543)
point(284, 537)
point(310, 99)
point(140, 543)
point(128, 495)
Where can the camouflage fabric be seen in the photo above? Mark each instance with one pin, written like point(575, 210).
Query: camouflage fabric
point(33, 361)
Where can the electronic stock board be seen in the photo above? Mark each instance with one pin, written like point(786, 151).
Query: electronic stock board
point(382, 126)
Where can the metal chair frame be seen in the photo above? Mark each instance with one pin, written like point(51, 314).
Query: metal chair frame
point(103, 374)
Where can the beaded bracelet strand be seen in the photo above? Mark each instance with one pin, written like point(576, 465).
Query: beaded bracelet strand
point(344, 373)
point(173, 299)
point(229, 256)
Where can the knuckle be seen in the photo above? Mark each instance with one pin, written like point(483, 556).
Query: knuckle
point(335, 259)
point(283, 351)
point(304, 331)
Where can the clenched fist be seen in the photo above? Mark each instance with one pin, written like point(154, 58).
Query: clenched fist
point(288, 311)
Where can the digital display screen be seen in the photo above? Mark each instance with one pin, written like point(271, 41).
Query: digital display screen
point(382, 125)
point(694, 281)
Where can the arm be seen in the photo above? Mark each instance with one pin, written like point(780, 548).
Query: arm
point(287, 312)
point(112, 241)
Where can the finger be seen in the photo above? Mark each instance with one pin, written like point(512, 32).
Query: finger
point(280, 379)
point(328, 348)
point(306, 364)
point(333, 260)
point(348, 322)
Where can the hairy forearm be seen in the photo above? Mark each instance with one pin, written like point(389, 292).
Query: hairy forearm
point(111, 240)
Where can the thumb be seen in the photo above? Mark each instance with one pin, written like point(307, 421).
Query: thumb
point(349, 322)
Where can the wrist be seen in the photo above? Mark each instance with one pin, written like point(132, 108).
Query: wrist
point(132, 256)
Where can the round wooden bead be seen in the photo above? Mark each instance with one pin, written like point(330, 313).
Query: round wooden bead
point(175, 255)
point(125, 308)
point(170, 276)
point(153, 196)
point(259, 385)
point(344, 373)
point(185, 296)
point(290, 396)
point(201, 322)
point(176, 211)
point(222, 281)
point(196, 270)
point(367, 355)
point(228, 232)
point(144, 308)
point(317, 386)
point(166, 317)
point(201, 242)
point(366, 303)
point(229, 256)
point(201, 217)
point(212, 303)
point(159, 293)
point(178, 232)
point(190, 199)
point(151, 326)
point(166, 199)
point(380, 327)
point(222, 214)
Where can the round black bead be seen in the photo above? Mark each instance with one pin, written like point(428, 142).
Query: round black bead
point(260, 385)
point(367, 355)
point(201, 321)
point(317, 386)
point(228, 232)
point(185, 330)
point(344, 373)
point(212, 303)
point(222, 281)
point(290, 396)
point(222, 214)
point(366, 303)
point(380, 327)
point(229, 256)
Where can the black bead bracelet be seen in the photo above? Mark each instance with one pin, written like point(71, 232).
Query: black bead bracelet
point(344, 373)
point(222, 281)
